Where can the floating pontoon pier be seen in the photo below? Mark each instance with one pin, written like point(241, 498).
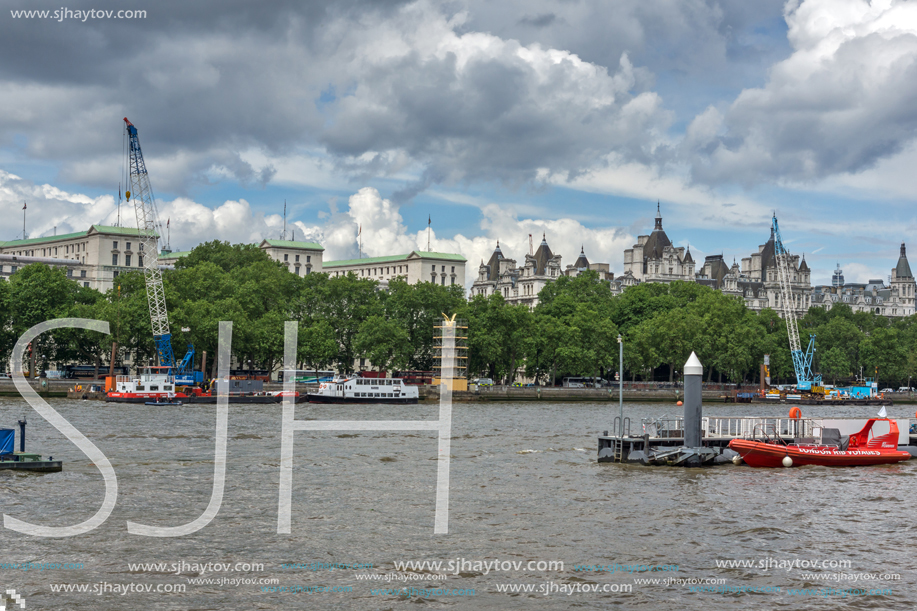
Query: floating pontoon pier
point(22, 460)
point(695, 440)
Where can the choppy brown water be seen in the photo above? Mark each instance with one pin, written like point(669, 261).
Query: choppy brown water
point(525, 487)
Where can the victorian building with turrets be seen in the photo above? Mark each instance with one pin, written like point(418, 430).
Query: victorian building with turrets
point(654, 259)
point(894, 300)
point(518, 285)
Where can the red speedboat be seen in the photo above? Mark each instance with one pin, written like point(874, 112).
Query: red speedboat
point(830, 450)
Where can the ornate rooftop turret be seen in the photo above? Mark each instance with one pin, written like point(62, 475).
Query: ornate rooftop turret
point(581, 262)
point(903, 269)
point(542, 256)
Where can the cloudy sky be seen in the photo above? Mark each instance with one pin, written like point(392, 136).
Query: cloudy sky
point(496, 120)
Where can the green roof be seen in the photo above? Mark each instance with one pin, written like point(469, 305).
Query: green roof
point(30, 241)
point(291, 244)
point(440, 255)
point(131, 231)
point(394, 258)
point(120, 230)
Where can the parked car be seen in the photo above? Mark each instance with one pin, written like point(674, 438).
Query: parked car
point(4, 376)
point(905, 389)
point(483, 381)
point(888, 390)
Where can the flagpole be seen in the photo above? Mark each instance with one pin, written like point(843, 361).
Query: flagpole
point(360, 235)
point(428, 232)
point(24, 236)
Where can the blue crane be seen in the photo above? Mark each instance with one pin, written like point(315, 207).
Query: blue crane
point(802, 361)
point(147, 225)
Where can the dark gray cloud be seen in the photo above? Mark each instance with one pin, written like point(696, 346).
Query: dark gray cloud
point(843, 101)
point(454, 92)
point(538, 21)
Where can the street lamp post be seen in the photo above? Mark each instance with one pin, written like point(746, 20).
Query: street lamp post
point(621, 382)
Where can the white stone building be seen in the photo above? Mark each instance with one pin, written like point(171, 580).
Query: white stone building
point(441, 268)
point(895, 300)
point(654, 259)
point(94, 258)
point(518, 285)
point(582, 264)
point(300, 258)
point(757, 282)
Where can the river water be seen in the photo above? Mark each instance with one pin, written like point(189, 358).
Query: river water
point(526, 491)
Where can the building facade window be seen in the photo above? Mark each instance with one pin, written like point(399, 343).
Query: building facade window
point(286, 257)
point(297, 258)
point(114, 259)
point(114, 245)
point(127, 246)
point(127, 260)
point(82, 273)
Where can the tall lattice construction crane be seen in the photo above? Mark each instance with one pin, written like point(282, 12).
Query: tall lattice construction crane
point(802, 361)
point(148, 226)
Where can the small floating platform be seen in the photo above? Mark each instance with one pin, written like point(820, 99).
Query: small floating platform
point(25, 461)
point(662, 441)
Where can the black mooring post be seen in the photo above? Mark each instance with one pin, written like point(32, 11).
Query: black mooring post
point(22, 424)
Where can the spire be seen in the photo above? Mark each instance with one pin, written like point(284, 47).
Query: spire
point(903, 269)
point(658, 217)
point(544, 239)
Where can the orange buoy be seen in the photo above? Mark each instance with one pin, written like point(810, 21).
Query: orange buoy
point(679, 403)
point(795, 412)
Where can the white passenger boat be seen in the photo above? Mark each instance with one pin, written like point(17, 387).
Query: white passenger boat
point(365, 390)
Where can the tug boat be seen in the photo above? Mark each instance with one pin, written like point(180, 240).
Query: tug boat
point(365, 390)
point(154, 384)
point(828, 449)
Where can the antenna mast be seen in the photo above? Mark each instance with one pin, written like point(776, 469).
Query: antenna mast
point(531, 246)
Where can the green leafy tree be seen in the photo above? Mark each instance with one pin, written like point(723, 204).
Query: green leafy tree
point(386, 343)
point(318, 345)
point(834, 363)
point(417, 308)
